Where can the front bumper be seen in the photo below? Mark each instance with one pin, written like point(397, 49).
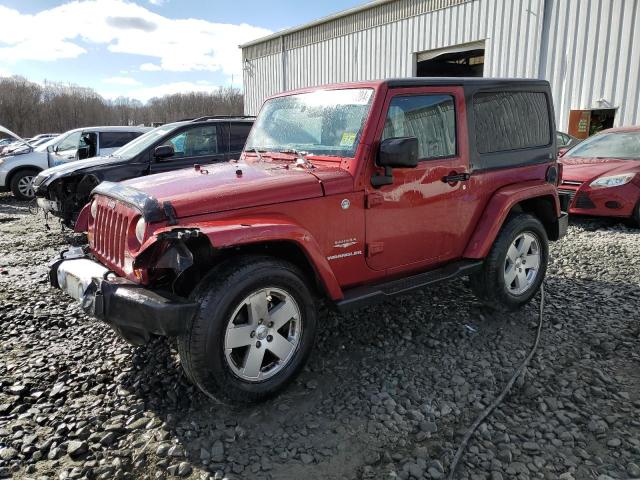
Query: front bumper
point(601, 202)
point(49, 205)
point(131, 310)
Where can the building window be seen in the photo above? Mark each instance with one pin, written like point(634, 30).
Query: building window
point(429, 118)
point(511, 121)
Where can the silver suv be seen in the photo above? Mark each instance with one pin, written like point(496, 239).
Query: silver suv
point(18, 171)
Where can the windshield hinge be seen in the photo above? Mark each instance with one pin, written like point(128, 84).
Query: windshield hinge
point(374, 199)
point(374, 248)
point(170, 213)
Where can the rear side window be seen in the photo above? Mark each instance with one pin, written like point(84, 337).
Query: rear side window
point(429, 118)
point(116, 139)
point(511, 121)
point(238, 133)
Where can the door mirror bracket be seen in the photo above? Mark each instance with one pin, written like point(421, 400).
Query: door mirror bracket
point(378, 180)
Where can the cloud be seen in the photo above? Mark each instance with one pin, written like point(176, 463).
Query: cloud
point(157, 3)
point(135, 23)
point(122, 81)
point(177, 45)
point(150, 67)
point(145, 93)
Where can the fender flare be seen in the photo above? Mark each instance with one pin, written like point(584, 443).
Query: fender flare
point(499, 207)
point(259, 230)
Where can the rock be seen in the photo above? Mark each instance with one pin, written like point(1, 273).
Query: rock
point(77, 448)
point(633, 470)
point(614, 442)
point(7, 454)
point(217, 452)
point(108, 439)
point(306, 458)
point(428, 427)
point(184, 469)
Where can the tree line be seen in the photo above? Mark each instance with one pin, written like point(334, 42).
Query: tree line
point(29, 108)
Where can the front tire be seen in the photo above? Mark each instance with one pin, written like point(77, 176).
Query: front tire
point(516, 265)
point(253, 332)
point(22, 184)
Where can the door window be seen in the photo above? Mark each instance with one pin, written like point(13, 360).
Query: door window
point(70, 142)
point(196, 142)
point(238, 133)
point(115, 139)
point(429, 118)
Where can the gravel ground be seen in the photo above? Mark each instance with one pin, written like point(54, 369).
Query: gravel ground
point(388, 393)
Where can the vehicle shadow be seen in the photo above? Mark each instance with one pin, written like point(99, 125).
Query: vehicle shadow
point(325, 424)
point(602, 223)
point(11, 206)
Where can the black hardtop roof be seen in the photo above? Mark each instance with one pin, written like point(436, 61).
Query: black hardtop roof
point(465, 81)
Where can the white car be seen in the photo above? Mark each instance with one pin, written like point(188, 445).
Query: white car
point(17, 171)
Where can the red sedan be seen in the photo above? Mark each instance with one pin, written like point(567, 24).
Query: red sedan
point(601, 175)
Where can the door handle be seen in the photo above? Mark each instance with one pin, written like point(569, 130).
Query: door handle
point(454, 177)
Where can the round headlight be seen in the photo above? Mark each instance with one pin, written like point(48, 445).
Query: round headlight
point(94, 209)
point(141, 226)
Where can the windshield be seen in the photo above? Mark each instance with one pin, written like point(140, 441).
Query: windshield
point(51, 141)
point(143, 142)
point(326, 122)
point(624, 145)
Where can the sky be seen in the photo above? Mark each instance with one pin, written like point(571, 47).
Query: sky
point(142, 48)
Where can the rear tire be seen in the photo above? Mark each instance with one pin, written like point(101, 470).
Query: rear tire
point(516, 265)
point(253, 332)
point(22, 184)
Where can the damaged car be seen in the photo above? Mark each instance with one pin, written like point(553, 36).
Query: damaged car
point(63, 190)
point(18, 170)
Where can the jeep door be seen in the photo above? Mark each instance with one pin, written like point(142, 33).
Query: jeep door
point(415, 221)
point(195, 144)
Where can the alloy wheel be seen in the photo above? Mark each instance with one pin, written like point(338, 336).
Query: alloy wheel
point(25, 186)
point(263, 334)
point(522, 263)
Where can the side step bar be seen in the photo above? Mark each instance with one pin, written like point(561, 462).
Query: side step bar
point(369, 295)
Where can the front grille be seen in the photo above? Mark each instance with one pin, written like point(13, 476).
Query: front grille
point(110, 234)
point(583, 201)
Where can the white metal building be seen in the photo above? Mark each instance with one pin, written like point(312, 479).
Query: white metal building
point(588, 49)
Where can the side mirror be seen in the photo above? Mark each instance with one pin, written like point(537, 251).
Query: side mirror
point(164, 151)
point(398, 152)
point(562, 151)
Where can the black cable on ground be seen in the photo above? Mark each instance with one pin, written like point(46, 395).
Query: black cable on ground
point(487, 411)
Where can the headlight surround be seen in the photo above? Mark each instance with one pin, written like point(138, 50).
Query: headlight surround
point(141, 227)
point(612, 180)
point(94, 209)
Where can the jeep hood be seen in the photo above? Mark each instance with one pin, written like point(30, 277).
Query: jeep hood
point(231, 186)
point(583, 169)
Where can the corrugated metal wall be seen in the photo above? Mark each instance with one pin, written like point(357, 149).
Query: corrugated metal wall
point(592, 57)
point(588, 49)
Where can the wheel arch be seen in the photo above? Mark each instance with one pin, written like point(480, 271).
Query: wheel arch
point(212, 245)
point(537, 198)
point(18, 169)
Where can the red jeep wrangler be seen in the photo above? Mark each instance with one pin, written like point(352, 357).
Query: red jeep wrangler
point(351, 193)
